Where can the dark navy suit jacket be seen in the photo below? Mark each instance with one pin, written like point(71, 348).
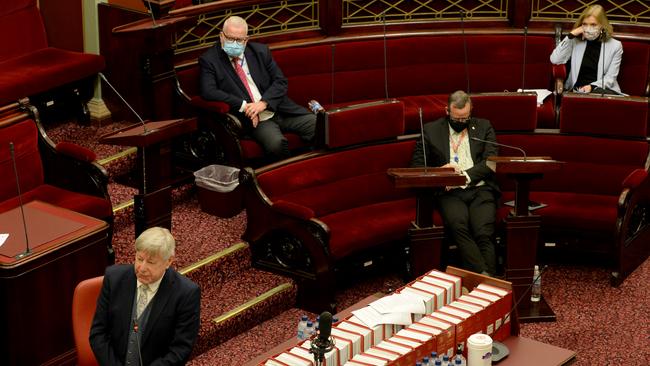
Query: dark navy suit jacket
point(171, 329)
point(436, 137)
point(219, 81)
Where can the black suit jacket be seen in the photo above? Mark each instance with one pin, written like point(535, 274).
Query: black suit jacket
point(219, 81)
point(436, 137)
point(172, 326)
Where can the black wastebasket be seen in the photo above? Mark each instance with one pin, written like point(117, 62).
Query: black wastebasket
point(219, 191)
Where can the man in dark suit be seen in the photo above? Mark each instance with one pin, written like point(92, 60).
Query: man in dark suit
point(245, 76)
point(147, 313)
point(468, 211)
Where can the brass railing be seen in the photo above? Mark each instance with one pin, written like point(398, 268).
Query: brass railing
point(630, 12)
point(360, 12)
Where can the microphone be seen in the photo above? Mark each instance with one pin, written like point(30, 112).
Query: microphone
point(322, 343)
point(144, 125)
point(498, 347)
point(20, 202)
point(137, 338)
point(498, 144)
point(424, 154)
point(523, 67)
point(462, 28)
point(603, 33)
point(144, 130)
point(153, 18)
point(385, 56)
point(333, 71)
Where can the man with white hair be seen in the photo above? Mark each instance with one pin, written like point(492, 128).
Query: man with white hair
point(147, 313)
point(245, 76)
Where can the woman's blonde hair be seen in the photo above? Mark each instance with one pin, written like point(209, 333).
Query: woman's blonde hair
point(597, 12)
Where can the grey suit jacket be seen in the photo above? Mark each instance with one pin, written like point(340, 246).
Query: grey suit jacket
point(574, 49)
point(436, 137)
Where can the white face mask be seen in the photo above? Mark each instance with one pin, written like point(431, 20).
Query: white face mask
point(591, 33)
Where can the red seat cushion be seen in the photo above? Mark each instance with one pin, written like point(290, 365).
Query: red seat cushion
point(88, 205)
point(363, 227)
point(252, 150)
point(575, 211)
point(44, 69)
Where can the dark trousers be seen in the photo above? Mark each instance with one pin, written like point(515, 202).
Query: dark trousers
point(469, 216)
point(269, 133)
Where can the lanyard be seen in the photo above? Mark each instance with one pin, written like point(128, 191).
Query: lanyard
point(455, 145)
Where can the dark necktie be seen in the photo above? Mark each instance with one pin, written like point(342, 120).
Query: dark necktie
point(242, 76)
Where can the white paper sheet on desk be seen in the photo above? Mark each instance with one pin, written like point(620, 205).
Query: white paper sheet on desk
point(3, 238)
point(371, 317)
point(541, 94)
point(399, 303)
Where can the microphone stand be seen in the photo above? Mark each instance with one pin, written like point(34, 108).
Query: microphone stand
point(320, 348)
point(602, 81)
point(462, 28)
point(144, 130)
point(20, 201)
point(498, 347)
point(498, 144)
point(424, 154)
point(523, 71)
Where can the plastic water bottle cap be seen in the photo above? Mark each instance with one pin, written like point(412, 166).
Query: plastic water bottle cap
point(304, 318)
point(310, 324)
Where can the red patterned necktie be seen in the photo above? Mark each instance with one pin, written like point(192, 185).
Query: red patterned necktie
point(242, 75)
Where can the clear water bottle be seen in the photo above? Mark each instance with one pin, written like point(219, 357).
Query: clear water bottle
point(459, 359)
point(536, 291)
point(425, 361)
point(445, 360)
point(302, 328)
point(317, 322)
point(309, 330)
point(437, 362)
point(418, 363)
point(434, 357)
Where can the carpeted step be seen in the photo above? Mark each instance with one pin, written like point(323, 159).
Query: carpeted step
point(257, 340)
point(234, 302)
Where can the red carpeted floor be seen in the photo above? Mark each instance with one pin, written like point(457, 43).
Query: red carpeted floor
point(604, 325)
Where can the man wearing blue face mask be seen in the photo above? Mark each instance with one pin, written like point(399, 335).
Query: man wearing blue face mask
point(595, 56)
point(245, 76)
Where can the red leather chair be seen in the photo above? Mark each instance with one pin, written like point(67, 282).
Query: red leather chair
point(84, 302)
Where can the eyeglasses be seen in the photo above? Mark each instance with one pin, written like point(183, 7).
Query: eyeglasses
point(228, 38)
point(460, 120)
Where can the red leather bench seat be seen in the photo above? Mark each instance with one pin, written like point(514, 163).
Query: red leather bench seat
point(583, 195)
point(43, 70)
point(351, 193)
point(30, 171)
point(422, 71)
point(27, 65)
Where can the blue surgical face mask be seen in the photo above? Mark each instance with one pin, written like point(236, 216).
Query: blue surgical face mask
point(233, 49)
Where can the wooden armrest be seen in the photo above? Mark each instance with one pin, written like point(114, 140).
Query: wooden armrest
point(212, 106)
point(293, 209)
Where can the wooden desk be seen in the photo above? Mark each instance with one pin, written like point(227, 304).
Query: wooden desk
point(36, 290)
point(523, 351)
point(526, 351)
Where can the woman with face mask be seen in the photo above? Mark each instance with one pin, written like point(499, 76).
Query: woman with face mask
point(595, 56)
